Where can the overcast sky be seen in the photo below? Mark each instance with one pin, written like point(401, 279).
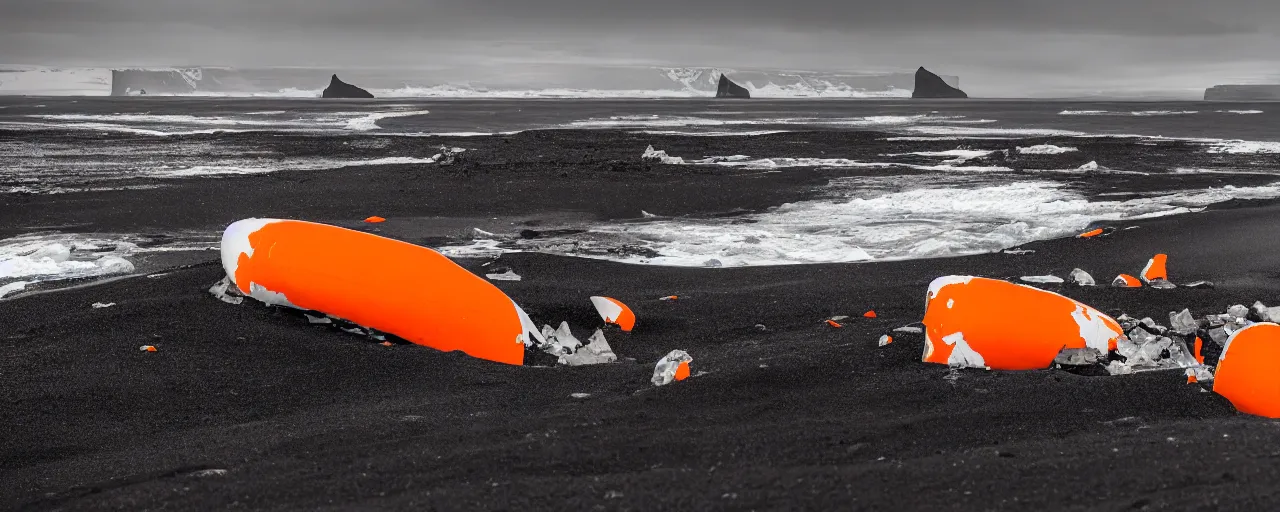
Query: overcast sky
point(997, 47)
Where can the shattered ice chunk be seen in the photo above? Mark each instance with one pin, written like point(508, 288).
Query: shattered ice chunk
point(1091, 166)
point(100, 305)
point(1078, 357)
point(1082, 278)
point(1162, 284)
point(509, 275)
point(1238, 311)
point(317, 319)
point(560, 342)
point(597, 351)
point(672, 367)
point(1043, 279)
point(226, 292)
point(1152, 326)
point(1183, 322)
point(1219, 335)
point(909, 330)
point(647, 215)
point(660, 156)
point(580, 396)
point(713, 263)
point(1019, 252)
point(1118, 368)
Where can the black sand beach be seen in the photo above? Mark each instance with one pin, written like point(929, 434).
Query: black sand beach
point(249, 407)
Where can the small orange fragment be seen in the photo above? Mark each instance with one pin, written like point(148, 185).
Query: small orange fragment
point(682, 371)
point(1191, 378)
point(386, 343)
point(669, 297)
point(869, 314)
point(834, 323)
point(1090, 234)
point(1126, 281)
point(147, 348)
point(1199, 347)
point(1155, 269)
point(375, 219)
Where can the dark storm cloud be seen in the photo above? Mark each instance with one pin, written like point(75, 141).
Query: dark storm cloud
point(1148, 17)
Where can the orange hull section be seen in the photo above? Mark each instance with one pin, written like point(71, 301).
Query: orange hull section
point(979, 322)
point(410, 291)
point(1248, 371)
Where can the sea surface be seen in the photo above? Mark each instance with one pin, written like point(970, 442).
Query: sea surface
point(951, 177)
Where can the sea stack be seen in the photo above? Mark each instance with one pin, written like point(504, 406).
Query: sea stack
point(929, 85)
point(728, 89)
point(339, 89)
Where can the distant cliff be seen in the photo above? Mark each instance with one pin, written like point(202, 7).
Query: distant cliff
point(929, 85)
point(1267, 92)
point(339, 89)
point(728, 89)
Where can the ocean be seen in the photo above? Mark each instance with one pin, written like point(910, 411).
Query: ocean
point(903, 179)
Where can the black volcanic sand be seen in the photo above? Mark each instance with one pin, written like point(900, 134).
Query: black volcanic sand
point(796, 415)
point(800, 415)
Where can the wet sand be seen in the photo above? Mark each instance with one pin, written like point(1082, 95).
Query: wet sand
point(797, 415)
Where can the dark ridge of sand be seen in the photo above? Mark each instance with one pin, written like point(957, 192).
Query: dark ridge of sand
point(798, 416)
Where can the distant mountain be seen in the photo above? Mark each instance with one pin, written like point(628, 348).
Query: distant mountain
point(1264, 92)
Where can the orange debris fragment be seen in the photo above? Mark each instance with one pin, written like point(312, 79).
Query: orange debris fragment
point(1199, 346)
point(682, 371)
point(147, 348)
point(669, 297)
point(1090, 234)
point(1191, 377)
point(1155, 269)
point(869, 314)
point(834, 323)
point(375, 219)
point(1126, 281)
point(1247, 371)
point(615, 312)
point(386, 343)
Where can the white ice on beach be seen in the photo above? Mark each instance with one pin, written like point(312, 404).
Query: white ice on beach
point(1042, 279)
point(44, 257)
point(14, 287)
point(660, 156)
point(1045, 149)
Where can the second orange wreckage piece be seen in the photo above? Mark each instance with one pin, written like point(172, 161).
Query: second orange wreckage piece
point(613, 311)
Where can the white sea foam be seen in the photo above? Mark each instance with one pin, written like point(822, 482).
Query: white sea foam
point(1241, 112)
point(1045, 149)
point(1137, 113)
point(937, 220)
point(1243, 147)
point(970, 131)
point(185, 124)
